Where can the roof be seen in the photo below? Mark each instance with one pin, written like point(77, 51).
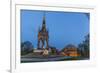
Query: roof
point(70, 46)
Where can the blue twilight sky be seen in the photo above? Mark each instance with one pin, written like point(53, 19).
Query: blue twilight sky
point(64, 27)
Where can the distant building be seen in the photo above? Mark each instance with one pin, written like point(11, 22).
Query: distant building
point(69, 50)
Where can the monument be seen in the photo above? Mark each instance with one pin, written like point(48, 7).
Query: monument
point(43, 36)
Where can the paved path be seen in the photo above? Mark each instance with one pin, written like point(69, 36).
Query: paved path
point(34, 59)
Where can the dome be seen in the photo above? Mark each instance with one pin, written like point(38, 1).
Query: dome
point(70, 46)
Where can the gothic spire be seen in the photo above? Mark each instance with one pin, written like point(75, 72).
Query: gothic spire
point(44, 19)
point(44, 23)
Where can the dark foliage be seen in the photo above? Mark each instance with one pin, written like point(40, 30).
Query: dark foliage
point(54, 51)
point(84, 47)
point(26, 47)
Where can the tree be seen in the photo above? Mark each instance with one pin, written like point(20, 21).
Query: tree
point(26, 47)
point(84, 47)
point(54, 51)
point(80, 49)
